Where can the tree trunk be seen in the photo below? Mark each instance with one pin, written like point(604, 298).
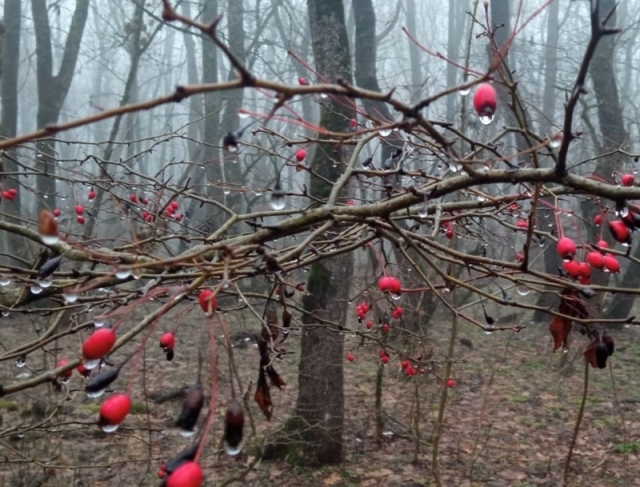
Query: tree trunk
point(320, 405)
point(544, 214)
point(53, 89)
point(9, 87)
point(414, 53)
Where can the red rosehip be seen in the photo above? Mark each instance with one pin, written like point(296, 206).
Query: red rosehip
point(611, 264)
point(133, 198)
point(566, 248)
point(301, 155)
point(92, 195)
point(168, 341)
point(627, 180)
point(597, 220)
point(56, 212)
point(79, 209)
point(451, 383)
point(80, 219)
point(207, 301)
point(67, 374)
point(350, 357)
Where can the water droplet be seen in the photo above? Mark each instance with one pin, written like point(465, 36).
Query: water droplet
point(454, 166)
point(396, 296)
point(5, 281)
point(5, 313)
point(232, 148)
point(482, 198)
point(486, 119)
point(50, 239)
point(385, 132)
point(109, 428)
point(488, 330)
point(242, 113)
point(98, 322)
point(323, 95)
point(232, 451)
point(226, 191)
point(277, 202)
point(188, 433)
point(21, 361)
point(464, 91)
point(36, 289)
point(95, 394)
point(123, 273)
point(70, 297)
point(91, 364)
point(45, 283)
point(523, 290)
point(565, 350)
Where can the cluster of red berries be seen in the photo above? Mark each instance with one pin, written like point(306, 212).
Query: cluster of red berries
point(384, 356)
point(597, 259)
point(79, 209)
point(389, 284)
point(397, 313)
point(408, 368)
point(148, 217)
point(170, 211)
point(10, 194)
point(361, 310)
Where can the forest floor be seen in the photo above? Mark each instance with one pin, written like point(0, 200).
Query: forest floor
point(509, 419)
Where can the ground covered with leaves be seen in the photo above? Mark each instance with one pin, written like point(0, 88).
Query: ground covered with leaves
point(509, 418)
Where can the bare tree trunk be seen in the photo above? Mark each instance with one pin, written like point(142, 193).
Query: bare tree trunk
point(455, 35)
point(320, 405)
point(544, 214)
point(10, 69)
point(414, 53)
point(53, 89)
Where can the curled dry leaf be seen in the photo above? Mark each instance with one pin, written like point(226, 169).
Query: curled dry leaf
point(275, 378)
point(560, 328)
point(263, 396)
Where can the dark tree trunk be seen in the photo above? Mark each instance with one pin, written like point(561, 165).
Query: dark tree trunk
point(320, 405)
point(614, 136)
point(544, 214)
point(414, 53)
point(53, 89)
point(9, 87)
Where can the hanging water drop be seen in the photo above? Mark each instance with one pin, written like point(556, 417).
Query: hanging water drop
point(226, 191)
point(95, 394)
point(5, 281)
point(278, 197)
point(385, 132)
point(45, 283)
point(486, 119)
point(188, 433)
point(70, 297)
point(242, 113)
point(522, 290)
point(36, 289)
point(396, 297)
point(91, 364)
point(50, 239)
point(21, 361)
point(123, 273)
point(423, 212)
point(464, 91)
point(109, 428)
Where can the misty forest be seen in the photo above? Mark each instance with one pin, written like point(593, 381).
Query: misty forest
point(319, 243)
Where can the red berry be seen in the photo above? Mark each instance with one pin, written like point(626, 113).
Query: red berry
point(351, 203)
point(79, 209)
point(620, 231)
point(597, 220)
point(207, 301)
point(174, 205)
point(397, 313)
point(369, 324)
point(47, 224)
point(585, 270)
point(385, 359)
point(519, 257)
point(301, 155)
point(386, 328)
point(602, 244)
point(178, 217)
point(133, 198)
point(627, 180)
point(80, 219)
point(114, 410)
point(595, 260)
point(573, 268)
point(64, 375)
point(409, 370)
point(485, 100)
point(611, 264)
point(524, 224)
point(350, 357)
point(83, 371)
point(144, 201)
point(186, 475)
point(168, 341)
point(383, 284)
point(353, 123)
point(449, 234)
point(405, 363)
point(566, 248)
point(303, 81)
point(98, 344)
point(382, 353)
point(5, 195)
point(451, 383)
point(56, 212)
point(92, 195)
point(12, 193)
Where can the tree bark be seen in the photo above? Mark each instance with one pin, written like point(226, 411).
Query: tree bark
point(9, 87)
point(320, 405)
point(53, 89)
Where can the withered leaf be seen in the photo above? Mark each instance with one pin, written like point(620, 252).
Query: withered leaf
point(590, 355)
point(263, 396)
point(572, 305)
point(560, 328)
point(275, 378)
